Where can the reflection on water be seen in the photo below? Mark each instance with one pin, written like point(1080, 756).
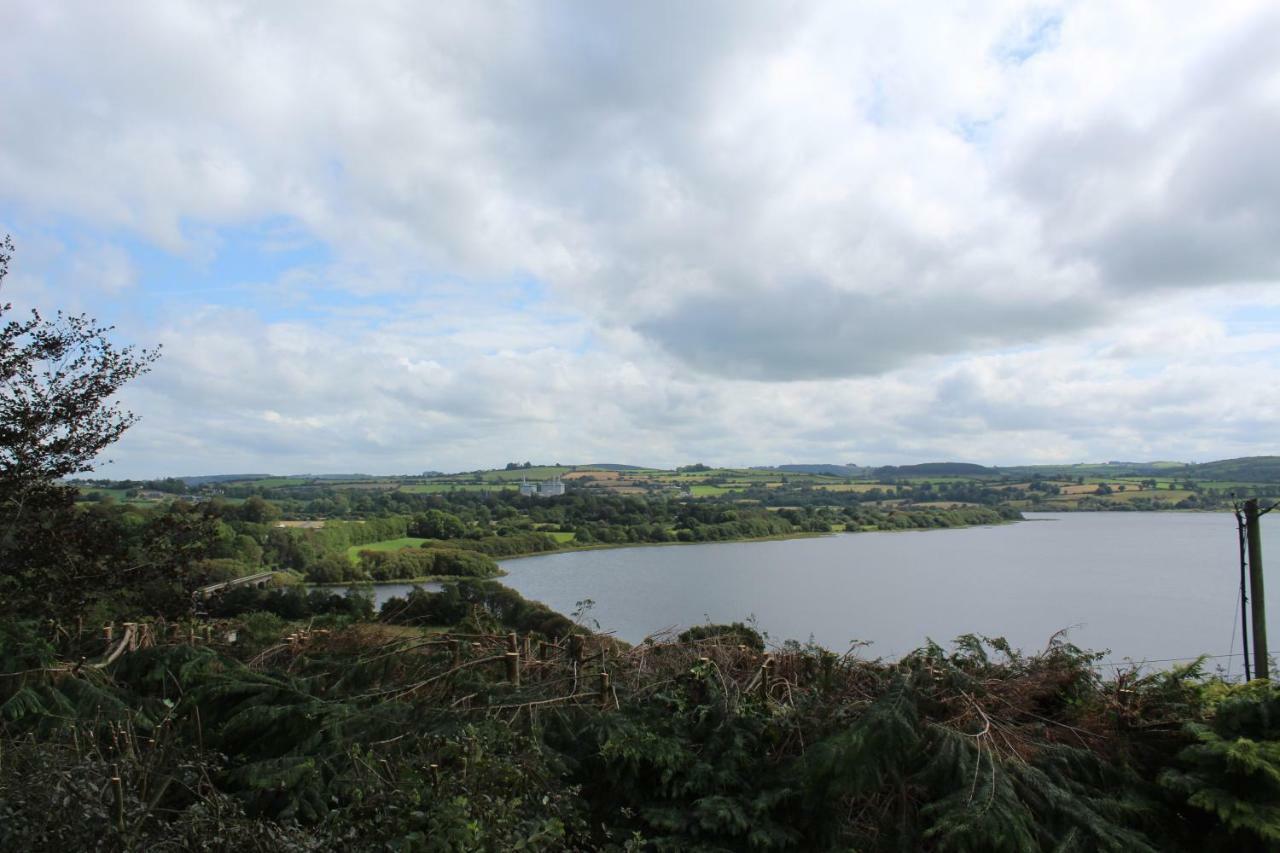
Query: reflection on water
point(382, 592)
point(1144, 585)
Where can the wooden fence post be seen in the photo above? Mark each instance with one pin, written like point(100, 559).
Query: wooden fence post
point(117, 795)
point(513, 668)
point(604, 689)
point(576, 648)
point(765, 666)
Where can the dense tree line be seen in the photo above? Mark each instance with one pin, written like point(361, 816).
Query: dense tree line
point(181, 545)
point(478, 605)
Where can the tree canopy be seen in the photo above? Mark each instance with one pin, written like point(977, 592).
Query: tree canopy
point(58, 381)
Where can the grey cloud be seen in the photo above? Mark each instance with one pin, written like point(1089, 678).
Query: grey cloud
point(814, 331)
point(1218, 219)
point(1185, 193)
point(749, 202)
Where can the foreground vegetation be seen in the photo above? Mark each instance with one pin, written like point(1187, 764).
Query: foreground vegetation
point(349, 736)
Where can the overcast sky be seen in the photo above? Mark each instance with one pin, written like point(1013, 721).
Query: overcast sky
point(392, 237)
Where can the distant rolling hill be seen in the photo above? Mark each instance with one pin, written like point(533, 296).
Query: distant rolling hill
point(1246, 469)
point(831, 470)
point(938, 469)
point(201, 479)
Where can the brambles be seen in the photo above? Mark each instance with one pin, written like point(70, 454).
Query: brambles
point(364, 736)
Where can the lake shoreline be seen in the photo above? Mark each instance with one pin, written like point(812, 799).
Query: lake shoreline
point(1095, 572)
point(613, 546)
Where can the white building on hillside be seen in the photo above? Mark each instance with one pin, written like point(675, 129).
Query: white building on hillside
point(548, 489)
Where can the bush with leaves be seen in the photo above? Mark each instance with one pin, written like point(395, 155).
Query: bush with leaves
point(409, 563)
point(291, 603)
point(1231, 770)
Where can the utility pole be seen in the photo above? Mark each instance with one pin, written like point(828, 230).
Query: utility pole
point(1244, 592)
point(1253, 531)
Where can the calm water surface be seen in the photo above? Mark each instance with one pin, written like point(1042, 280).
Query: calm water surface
point(1147, 586)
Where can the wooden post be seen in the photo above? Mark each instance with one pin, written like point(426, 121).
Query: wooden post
point(542, 651)
point(513, 667)
point(1252, 519)
point(604, 689)
point(455, 650)
point(107, 630)
point(117, 794)
point(576, 648)
point(528, 647)
point(765, 666)
point(1244, 592)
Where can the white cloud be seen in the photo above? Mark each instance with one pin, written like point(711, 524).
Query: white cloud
point(761, 232)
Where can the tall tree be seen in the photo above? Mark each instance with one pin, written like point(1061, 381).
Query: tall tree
point(58, 381)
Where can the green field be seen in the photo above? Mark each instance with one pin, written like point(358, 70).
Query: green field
point(385, 545)
point(437, 488)
point(560, 536)
point(700, 491)
point(538, 472)
point(851, 487)
point(122, 495)
point(118, 494)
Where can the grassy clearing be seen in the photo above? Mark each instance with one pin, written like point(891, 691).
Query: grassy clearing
point(1127, 496)
point(385, 545)
point(702, 491)
point(560, 536)
point(443, 488)
point(538, 472)
point(118, 494)
point(1170, 495)
point(851, 487)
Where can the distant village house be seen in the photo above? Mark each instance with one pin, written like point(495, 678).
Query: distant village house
point(549, 489)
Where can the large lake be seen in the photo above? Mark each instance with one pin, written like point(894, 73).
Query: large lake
point(1147, 586)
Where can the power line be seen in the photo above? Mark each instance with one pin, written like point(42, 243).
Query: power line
point(1166, 660)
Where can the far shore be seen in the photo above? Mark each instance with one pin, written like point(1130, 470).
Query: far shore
point(602, 546)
